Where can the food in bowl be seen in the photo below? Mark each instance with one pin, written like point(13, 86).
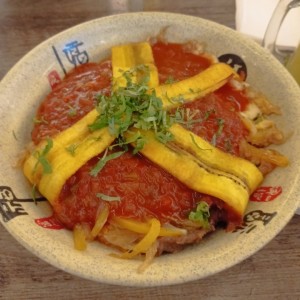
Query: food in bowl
point(152, 149)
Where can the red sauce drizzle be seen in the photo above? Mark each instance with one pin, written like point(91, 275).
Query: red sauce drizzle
point(145, 189)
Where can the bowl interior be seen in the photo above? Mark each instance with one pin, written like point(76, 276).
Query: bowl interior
point(27, 83)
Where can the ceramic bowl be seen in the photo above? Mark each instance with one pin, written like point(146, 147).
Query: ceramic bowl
point(24, 87)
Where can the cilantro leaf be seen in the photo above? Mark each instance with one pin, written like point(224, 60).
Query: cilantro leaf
point(41, 157)
point(72, 149)
point(201, 214)
point(102, 162)
point(133, 106)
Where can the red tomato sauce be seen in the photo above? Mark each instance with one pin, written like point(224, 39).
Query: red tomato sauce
point(145, 190)
point(219, 123)
point(173, 62)
point(237, 98)
point(71, 99)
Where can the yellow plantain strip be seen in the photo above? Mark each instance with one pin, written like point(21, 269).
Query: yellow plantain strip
point(128, 58)
point(217, 159)
point(64, 164)
point(191, 170)
point(195, 87)
point(77, 131)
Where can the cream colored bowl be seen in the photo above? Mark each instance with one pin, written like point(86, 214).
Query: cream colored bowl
point(27, 83)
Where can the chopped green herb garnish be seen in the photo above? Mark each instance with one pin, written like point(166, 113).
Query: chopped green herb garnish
point(133, 106)
point(195, 143)
point(137, 138)
point(219, 131)
point(190, 117)
point(178, 99)
point(170, 80)
point(221, 123)
point(40, 121)
point(214, 140)
point(108, 198)
point(186, 117)
point(201, 214)
point(102, 161)
point(14, 135)
point(228, 145)
point(42, 158)
point(72, 148)
point(136, 106)
point(72, 111)
point(208, 113)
